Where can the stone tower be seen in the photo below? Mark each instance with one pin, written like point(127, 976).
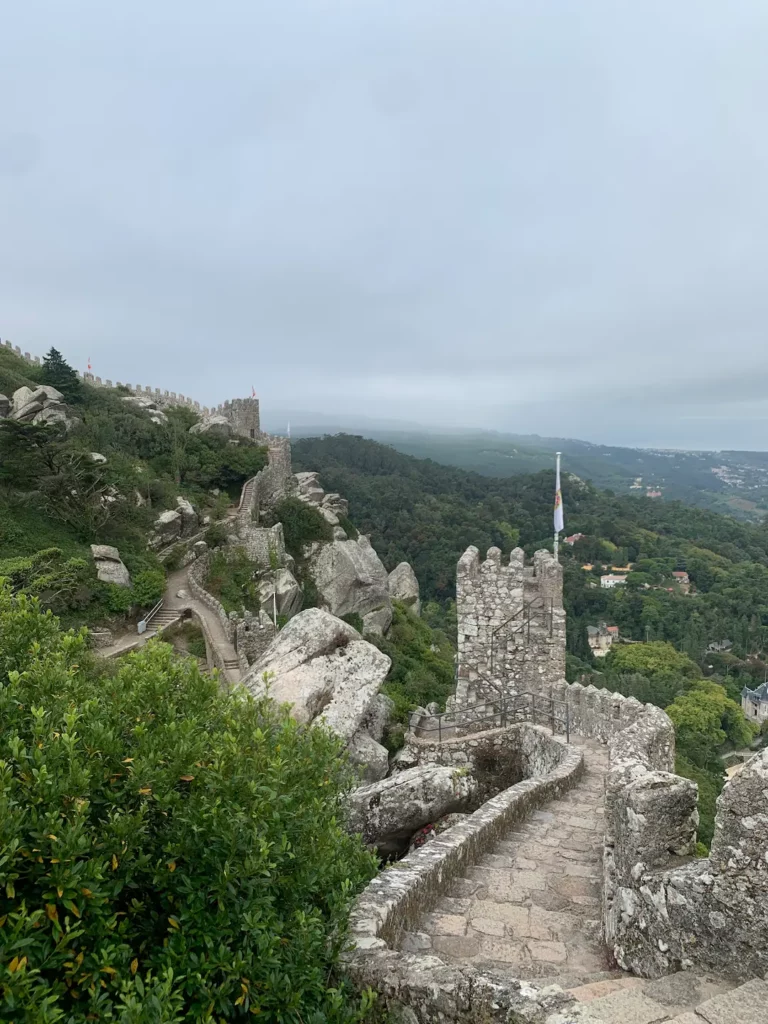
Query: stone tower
point(511, 624)
point(243, 414)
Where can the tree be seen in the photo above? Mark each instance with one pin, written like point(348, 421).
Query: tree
point(169, 852)
point(656, 659)
point(59, 374)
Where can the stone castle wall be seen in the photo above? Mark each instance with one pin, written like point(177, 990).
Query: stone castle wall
point(511, 624)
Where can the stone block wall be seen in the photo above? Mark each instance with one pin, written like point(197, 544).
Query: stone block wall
point(664, 911)
point(511, 624)
point(423, 988)
point(253, 635)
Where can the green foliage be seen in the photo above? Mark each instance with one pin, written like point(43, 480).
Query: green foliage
point(422, 663)
point(348, 527)
point(169, 852)
point(302, 524)
point(355, 620)
point(57, 372)
point(231, 579)
point(148, 587)
point(216, 535)
point(656, 660)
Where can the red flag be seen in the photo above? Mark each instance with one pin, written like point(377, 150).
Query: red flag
point(89, 363)
point(253, 391)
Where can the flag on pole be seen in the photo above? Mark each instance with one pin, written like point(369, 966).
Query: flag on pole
point(253, 391)
point(559, 524)
point(89, 364)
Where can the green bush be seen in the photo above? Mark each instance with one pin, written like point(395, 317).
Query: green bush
point(148, 587)
point(118, 600)
point(231, 580)
point(355, 620)
point(168, 853)
point(422, 663)
point(302, 524)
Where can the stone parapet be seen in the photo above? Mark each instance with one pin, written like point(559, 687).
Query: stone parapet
point(393, 902)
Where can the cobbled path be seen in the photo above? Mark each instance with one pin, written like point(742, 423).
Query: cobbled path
point(531, 908)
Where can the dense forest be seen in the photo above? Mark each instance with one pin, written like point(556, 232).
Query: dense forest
point(428, 514)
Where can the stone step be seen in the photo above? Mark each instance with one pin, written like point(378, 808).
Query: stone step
point(683, 998)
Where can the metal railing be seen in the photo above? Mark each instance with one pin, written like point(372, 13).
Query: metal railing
point(521, 620)
point(142, 626)
point(526, 706)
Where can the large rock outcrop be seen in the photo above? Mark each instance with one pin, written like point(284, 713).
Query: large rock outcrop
point(403, 586)
point(109, 565)
point(324, 669)
point(148, 406)
point(388, 812)
point(279, 592)
point(44, 404)
point(216, 426)
point(350, 577)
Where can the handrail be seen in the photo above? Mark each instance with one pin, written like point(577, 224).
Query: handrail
point(149, 616)
point(526, 609)
point(459, 718)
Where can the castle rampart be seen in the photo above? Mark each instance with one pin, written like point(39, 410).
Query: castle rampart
point(511, 624)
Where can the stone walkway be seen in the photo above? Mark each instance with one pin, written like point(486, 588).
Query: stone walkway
point(530, 909)
point(178, 581)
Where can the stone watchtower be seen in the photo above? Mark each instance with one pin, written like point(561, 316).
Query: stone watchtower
point(511, 624)
point(243, 414)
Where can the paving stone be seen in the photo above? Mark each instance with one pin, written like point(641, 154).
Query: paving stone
point(628, 1007)
point(504, 951)
point(453, 905)
point(551, 952)
point(444, 924)
point(461, 887)
point(686, 989)
point(529, 880)
point(497, 860)
point(459, 947)
point(686, 1018)
point(486, 926)
point(507, 913)
point(523, 864)
point(416, 942)
point(747, 1004)
point(596, 989)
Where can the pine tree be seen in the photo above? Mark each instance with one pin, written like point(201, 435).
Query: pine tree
point(59, 374)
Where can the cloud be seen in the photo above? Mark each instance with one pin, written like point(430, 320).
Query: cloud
point(449, 213)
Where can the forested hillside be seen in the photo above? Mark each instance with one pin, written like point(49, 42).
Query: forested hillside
point(428, 513)
point(99, 472)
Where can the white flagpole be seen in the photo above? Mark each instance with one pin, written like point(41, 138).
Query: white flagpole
point(557, 491)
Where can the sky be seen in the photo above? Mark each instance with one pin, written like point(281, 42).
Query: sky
point(536, 217)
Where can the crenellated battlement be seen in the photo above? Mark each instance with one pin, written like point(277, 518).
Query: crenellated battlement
point(511, 623)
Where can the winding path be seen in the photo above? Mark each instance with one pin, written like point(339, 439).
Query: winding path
point(223, 651)
point(530, 909)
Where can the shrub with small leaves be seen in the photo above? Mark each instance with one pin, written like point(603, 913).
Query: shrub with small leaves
point(168, 853)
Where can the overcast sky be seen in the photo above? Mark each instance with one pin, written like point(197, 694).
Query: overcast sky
point(543, 217)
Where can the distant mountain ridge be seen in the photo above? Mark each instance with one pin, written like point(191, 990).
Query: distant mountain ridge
point(732, 482)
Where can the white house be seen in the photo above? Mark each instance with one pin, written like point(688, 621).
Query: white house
point(754, 703)
point(612, 580)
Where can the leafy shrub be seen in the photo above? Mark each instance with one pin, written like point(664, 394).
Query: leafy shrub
point(169, 852)
point(422, 663)
point(118, 600)
point(173, 560)
point(148, 587)
point(302, 524)
point(216, 535)
point(349, 527)
point(231, 580)
point(355, 620)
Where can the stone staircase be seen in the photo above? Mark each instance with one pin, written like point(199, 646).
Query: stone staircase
point(530, 910)
point(685, 998)
point(163, 619)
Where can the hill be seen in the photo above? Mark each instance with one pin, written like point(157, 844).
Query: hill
point(735, 483)
point(98, 471)
point(427, 513)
